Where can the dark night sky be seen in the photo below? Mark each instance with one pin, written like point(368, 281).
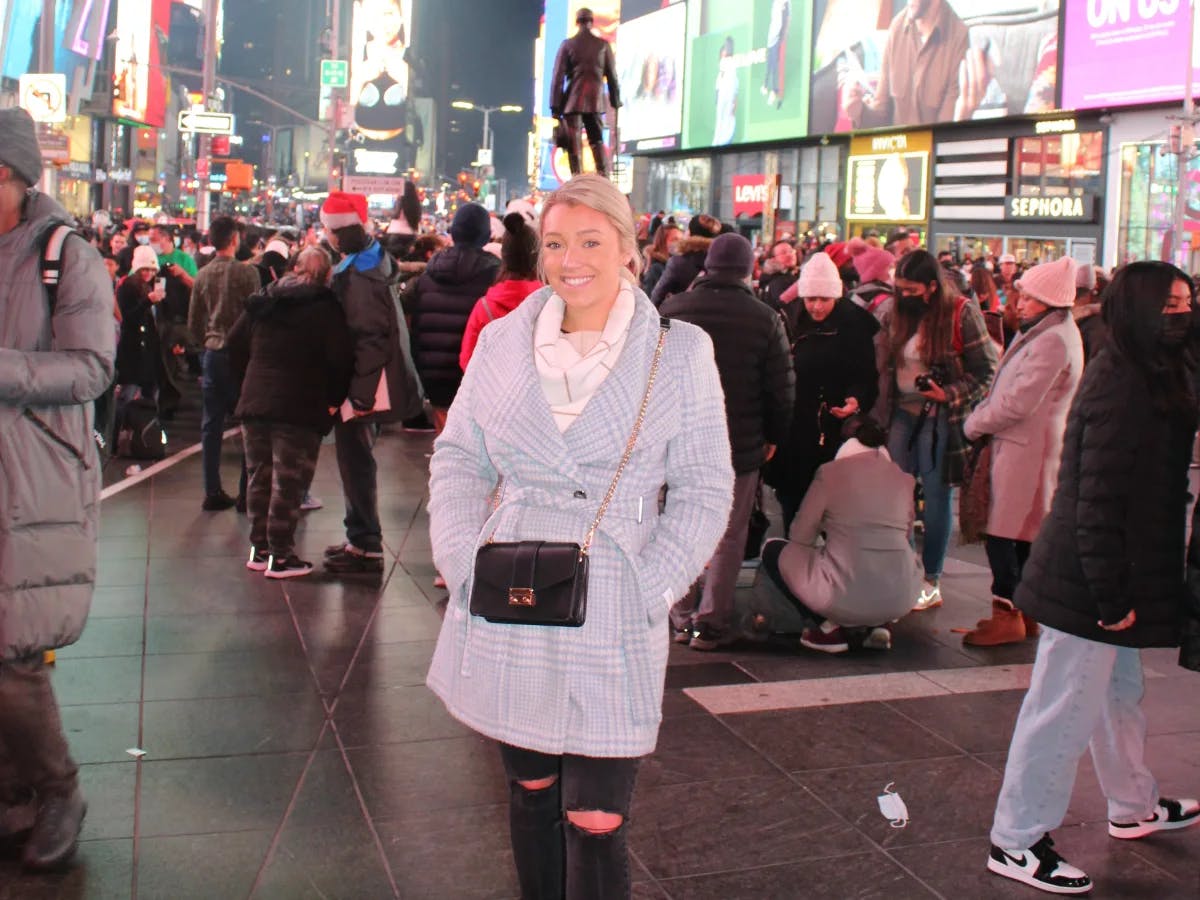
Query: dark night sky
point(482, 52)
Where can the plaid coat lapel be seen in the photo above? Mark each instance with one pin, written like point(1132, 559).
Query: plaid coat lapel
point(607, 419)
point(518, 414)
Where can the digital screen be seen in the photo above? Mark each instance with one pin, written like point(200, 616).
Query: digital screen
point(1117, 54)
point(888, 177)
point(139, 84)
point(650, 56)
point(747, 71)
point(20, 41)
point(881, 63)
point(388, 128)
point(86, 34)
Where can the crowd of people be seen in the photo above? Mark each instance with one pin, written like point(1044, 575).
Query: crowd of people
point(631, 392)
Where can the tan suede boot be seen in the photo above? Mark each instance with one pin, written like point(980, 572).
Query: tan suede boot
point(1006, 626)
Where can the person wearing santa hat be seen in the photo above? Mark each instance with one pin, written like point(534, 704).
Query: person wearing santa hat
point(385, 387)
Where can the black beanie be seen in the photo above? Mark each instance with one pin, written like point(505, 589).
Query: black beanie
point(519, 249)
point(472, 225)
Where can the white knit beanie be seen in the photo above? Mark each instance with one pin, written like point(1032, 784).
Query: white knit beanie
point(819, 278)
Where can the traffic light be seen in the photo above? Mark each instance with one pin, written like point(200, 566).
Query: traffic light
point(477, 185)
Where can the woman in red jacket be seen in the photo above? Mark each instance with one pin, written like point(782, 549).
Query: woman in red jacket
point(518, 279)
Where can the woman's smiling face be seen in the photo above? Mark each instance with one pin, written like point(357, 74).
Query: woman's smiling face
point(582, 257)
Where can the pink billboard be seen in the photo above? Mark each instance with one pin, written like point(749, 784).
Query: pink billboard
point(1124, 52)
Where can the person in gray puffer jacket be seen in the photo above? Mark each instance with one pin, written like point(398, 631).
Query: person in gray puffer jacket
point(51, 369)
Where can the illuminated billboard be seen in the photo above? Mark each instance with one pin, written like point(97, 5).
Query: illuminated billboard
point(388, 129)
point(20, 39)
point(747, 71)
point(139, 83)
point(872, 67)
point(1117, 54)
point(85, 34)
point(887, 177)
point(650, 55)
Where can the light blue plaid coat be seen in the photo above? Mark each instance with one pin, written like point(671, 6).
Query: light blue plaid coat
point(595, 690)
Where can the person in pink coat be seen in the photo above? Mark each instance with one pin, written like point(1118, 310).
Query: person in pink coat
point(518, 279)
point(1025, 413)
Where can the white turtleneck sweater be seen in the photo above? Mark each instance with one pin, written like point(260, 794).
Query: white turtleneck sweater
point(572, 366)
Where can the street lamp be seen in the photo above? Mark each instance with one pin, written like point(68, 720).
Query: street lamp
point(487, 111)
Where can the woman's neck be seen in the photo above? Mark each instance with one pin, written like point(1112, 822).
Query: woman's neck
point(592, 317)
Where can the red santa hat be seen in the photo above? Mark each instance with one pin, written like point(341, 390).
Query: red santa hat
point(342, 209)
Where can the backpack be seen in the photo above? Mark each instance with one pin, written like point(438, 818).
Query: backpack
point(50, 243)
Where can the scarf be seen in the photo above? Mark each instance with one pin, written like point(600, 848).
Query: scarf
point(854, 447)
point(572, 366)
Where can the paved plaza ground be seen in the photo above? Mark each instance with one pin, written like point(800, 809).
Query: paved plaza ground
point(292, 750)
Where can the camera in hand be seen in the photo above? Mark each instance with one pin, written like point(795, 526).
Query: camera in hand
point(937, 374)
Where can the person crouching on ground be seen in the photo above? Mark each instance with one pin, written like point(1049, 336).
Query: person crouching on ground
point(866, 572)
point(295, 355)
point(547, 411)
point(1104, 579)
point(1025, 413)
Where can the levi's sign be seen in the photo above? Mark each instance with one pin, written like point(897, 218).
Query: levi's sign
point(750, 195)
point(203, 122)
point(1080, 208)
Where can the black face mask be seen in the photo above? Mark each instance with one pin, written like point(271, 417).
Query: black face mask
point(911, 304)
point(1174, 330)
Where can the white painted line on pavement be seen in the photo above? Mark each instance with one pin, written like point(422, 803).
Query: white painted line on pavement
point(721, 700)
point(161, 466)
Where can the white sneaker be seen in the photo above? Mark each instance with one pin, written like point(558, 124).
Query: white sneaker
point(930, 596)
point(878, 639)
point(310, 502)
point(1168, 815)
point(1041, 867)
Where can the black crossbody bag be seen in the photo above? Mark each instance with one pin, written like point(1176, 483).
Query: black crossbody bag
point(546, 582)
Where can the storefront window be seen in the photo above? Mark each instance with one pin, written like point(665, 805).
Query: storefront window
point(1059, 165)
point(1149, 181)
point(1028, 251)
point(680, 185)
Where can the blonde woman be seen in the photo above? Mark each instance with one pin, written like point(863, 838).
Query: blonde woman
point(532, 444)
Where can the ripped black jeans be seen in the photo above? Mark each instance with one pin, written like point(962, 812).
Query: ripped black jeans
point(555, 858)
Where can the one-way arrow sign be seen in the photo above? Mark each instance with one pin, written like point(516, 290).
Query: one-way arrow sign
point(201, 122)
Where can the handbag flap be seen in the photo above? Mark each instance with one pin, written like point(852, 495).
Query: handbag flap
point(540, 565)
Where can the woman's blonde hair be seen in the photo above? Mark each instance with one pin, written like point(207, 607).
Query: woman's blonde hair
point(598, 193)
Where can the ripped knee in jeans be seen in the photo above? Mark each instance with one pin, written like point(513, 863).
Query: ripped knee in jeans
point(538, 784)
point(595, 822)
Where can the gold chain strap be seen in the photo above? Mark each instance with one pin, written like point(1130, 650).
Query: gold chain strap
point(633, 436)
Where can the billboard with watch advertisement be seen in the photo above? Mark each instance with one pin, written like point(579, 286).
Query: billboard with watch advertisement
point(139, 82)
point(746, 72)
point(887, 177)
point(900, 63)
point(1121, 54)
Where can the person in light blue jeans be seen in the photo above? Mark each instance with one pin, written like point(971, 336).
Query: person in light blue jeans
point(918, 446)
point(935, 362)
point(1104, 579)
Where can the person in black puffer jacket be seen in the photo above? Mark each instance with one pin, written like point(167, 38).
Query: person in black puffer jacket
point(1105, 578)
point(294, 355)
point(440, 303)
point(751, 351)
point(688, 262)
